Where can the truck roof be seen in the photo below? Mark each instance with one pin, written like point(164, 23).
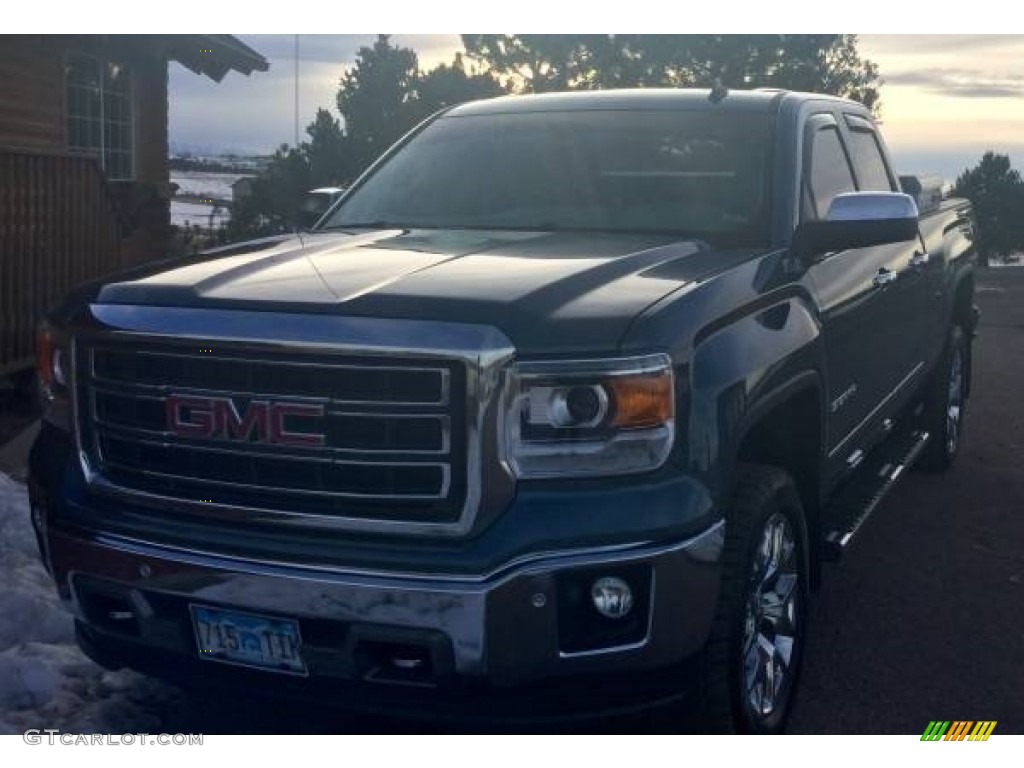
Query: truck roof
point(634, 98)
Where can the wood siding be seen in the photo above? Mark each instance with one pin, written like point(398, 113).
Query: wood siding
point(150, 209)
point(32, 92)
point(149, 80)
point(61, 222)
point(58, 228)
point(32, 95)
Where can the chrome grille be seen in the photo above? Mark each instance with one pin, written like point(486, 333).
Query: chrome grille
point(388, 441)
point(352, 383)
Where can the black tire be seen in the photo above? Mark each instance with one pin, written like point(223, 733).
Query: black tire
point(764, 497)
point(945, 407)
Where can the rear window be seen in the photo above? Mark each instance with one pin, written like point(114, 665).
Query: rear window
point(699, 174)
point(867, 161)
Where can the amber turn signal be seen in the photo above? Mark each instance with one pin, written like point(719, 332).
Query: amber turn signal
point(642, 400)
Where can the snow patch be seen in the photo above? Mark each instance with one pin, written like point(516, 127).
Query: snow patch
point(45, 680)
point(206, 183)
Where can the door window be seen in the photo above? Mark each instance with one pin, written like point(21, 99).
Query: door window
point(829, 173)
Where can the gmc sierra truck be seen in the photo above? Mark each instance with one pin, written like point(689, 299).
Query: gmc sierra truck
point(557, 411)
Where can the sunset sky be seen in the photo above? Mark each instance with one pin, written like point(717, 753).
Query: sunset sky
point(945, 98)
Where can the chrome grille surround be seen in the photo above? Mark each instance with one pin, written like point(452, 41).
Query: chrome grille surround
point(457, 428)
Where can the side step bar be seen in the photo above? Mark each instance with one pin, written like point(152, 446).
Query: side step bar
point(876, 476)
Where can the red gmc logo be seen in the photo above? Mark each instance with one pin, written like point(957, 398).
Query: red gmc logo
point(261, 421)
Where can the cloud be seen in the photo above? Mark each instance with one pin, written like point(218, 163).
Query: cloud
point(929, 45)
point(248, 114)
point(950, 162)
point(962, 83)
point(257, 113)
point(336, 49)
point(321, 48)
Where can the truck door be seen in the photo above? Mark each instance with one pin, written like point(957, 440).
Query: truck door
point(917, 269)
point(866, 307)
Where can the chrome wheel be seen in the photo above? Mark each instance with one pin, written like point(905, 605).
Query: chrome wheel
point(772, 619)
point(954, 401)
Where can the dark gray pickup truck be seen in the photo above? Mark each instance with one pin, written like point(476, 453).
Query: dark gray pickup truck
point(558, 410)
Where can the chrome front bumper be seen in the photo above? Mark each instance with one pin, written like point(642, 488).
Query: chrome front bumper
point(501, 627)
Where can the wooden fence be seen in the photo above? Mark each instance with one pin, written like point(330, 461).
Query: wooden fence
point(59, 226)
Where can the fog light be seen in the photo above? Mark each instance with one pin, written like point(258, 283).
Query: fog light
point(612, 597)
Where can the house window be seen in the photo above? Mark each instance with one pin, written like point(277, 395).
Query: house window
point(100, 114)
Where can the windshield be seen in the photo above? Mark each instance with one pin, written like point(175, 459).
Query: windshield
point(697, 174)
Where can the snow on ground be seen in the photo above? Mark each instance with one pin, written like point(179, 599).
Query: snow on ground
point(202, 184)
point(209, 183)
point(197, 214)
point(45, 681)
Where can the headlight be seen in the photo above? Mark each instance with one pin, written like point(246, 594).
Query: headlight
point(53, 364)
point(582, 418)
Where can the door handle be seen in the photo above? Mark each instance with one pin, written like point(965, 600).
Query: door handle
point(884, 277)
point(919, 259)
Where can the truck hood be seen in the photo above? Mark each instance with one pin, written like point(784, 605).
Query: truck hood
point(546, 291)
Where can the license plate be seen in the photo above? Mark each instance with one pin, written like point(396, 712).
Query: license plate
point(248, 640)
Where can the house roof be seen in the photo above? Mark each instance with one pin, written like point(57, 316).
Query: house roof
point(215, 55)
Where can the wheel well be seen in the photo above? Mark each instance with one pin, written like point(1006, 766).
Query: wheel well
point(963, 315)
point(963, 303)
point(789, 437)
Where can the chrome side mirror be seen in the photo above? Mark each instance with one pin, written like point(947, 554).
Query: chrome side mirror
point(858, 220)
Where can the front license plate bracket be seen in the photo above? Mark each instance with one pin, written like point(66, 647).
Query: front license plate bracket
point(248, 639)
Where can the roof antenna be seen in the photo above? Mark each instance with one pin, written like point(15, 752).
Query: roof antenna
point(718, 91)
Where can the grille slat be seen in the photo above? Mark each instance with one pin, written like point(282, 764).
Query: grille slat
point(347, 432)
point(332, 435)
point(346, 479)
point(342, 384)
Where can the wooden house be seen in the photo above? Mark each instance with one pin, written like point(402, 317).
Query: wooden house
point(84, 186)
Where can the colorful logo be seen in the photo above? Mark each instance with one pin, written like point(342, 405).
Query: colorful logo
point(958, 730)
